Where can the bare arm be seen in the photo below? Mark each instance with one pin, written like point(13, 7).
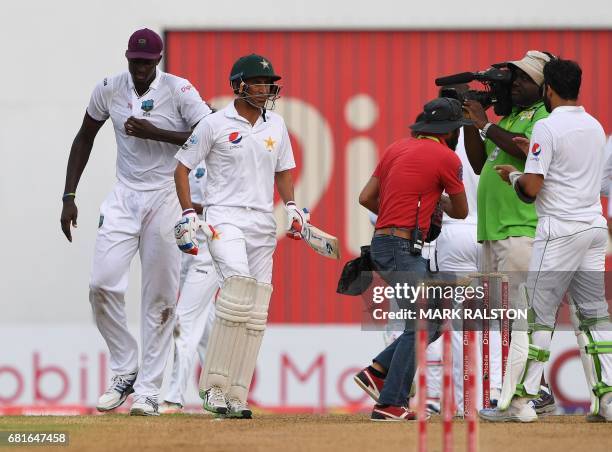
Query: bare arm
point(284, 185)
point(141, 128)
point(530, 184)
point(502, 138)
point(79, 155)
point(369, 196)
point(181, 180)
point(455, 206)
point(199, 208)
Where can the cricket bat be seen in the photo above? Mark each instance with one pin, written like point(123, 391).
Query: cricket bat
point(323, 243)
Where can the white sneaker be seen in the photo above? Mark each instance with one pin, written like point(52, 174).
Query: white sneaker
point(144, 406)
point(518, 411)
point(214, 400)
point(605, 406)
point(238, 409)
point(120, 388)
point(170, 408)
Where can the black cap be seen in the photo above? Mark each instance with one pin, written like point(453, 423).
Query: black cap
point(441, 115)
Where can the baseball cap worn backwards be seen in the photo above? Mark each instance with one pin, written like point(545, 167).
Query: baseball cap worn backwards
point(144, 44)
point(533, 65)
point(441, 115)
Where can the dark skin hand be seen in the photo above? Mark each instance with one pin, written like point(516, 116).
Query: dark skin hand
point(531, 184)
point(525, 92)
point(141, 128)
point(198, 208)
point(79, 155)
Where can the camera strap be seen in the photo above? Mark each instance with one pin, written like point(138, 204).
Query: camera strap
point(416, 239)
point(429, 137)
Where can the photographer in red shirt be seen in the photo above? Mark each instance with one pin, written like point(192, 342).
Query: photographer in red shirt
point(403, 191)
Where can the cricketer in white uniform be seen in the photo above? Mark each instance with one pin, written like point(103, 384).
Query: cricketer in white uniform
point(565, 161)
point(152, 113)
point(246, 149)
point(194, 312)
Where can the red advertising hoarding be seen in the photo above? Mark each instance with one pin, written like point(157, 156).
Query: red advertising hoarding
point(346, 96)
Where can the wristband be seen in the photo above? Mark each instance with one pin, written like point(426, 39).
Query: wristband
point(513, 177)
point(65, 196)
point(485, 129)
point(187, 211)
point(290, 203)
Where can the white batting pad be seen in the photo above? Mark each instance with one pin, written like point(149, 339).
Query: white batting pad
point(232, 309)
point(244, 362)
point(587, 361)
point(517, 360)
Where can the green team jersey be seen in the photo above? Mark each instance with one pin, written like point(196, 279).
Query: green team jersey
point(501, 214)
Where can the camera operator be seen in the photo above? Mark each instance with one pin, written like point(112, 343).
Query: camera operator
point(404, 190)
point(506, 225)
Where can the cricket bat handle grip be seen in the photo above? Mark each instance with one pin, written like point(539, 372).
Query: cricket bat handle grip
point(294, 233)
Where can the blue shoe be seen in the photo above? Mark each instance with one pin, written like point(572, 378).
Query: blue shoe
point(545, 403)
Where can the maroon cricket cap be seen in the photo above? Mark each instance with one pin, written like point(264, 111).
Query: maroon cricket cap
point(145, 44)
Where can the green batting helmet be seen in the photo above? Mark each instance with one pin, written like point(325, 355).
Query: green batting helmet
point(251, 66)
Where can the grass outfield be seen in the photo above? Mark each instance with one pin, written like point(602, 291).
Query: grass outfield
point(184, 432)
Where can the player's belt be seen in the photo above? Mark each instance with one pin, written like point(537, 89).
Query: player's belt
point(405, 233)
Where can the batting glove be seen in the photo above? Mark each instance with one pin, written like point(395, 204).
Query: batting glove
point(185, 232)
point(296, 218)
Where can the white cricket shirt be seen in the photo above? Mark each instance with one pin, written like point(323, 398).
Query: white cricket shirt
point(567, 148)
point(470, 182)
point(171, 103)
point(240, 159)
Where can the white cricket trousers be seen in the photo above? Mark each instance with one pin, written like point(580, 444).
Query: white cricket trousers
point(195, 316)
point(568, 256)
point(247, 239)
point(137, 221)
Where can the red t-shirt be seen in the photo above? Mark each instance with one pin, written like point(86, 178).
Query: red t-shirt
point(411, 167)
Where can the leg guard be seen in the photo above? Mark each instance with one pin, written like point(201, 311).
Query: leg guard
point(587, 362)
point(517, 361)
point(525, 365)
point(232, 309)
point(593, 343)
point(539, 352)
point(521, 353)
point(244, 362)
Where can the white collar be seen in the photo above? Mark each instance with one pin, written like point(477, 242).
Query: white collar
point(569, 108)
point(230, 112)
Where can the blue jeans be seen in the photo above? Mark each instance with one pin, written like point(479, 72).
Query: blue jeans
point(391, 254)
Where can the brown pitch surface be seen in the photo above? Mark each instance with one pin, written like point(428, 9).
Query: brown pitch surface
point(337, 432)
